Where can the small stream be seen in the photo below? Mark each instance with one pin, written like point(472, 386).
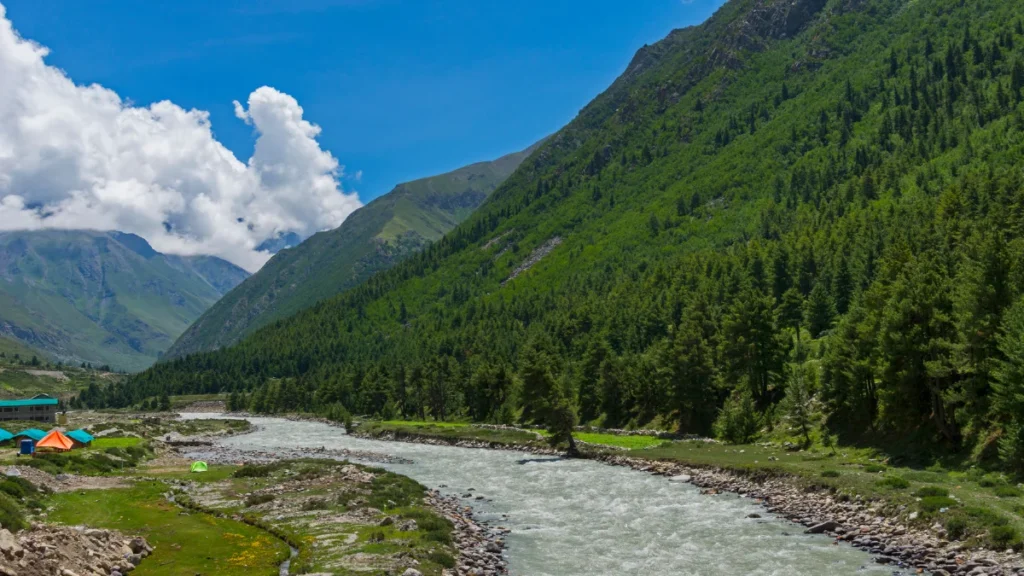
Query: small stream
point(286, 566)
point(579, 517)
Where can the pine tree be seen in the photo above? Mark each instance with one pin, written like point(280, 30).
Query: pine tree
point(560, 423)
point(799, 402)
point(693, 370)
point(739, 421)
point(819, 310)
point(1008, 402)
point(538, 382)
point(588, 386)
point(752, 348)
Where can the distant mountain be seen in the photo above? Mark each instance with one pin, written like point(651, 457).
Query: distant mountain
point(11, 350)
point(280, 242)
point(103, 297)
point(373, 238)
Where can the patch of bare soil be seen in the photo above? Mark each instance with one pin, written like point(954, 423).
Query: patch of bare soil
point(55, 374)
point(74, 551)
point(65, 482)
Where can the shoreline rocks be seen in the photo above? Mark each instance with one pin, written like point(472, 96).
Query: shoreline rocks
point(480, 547)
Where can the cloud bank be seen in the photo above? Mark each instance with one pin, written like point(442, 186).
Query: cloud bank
point(78, 157)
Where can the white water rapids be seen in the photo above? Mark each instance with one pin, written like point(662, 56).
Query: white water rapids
point(579, 517)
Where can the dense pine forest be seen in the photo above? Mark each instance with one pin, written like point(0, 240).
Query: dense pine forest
point(800, 217)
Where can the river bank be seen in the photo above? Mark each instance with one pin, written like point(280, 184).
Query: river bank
point(887, 530)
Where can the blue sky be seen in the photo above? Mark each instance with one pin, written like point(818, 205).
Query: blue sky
point(401, 89)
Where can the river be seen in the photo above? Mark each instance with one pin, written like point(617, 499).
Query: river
point(579, 517)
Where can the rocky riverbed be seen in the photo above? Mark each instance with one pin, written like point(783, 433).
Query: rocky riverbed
point(46, 550)
point(479, 547)
point(856, 522)
point(213, 453)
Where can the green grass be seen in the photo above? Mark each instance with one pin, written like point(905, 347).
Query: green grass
point(628, 442)
point(184, 544)
point(468, 431)
point(183, 401)
point(452, 431)
point(215, 473)
point(101, 443)
point(424, 424)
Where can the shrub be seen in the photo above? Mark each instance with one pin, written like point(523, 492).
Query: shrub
point(1007, 491)
point(42, 464)
point(991, 481)
point(257, 470)
point(830, 474)
point(986, 516)
point(314, 504)
point(956, 527)
point(926, 491)
point(874, 468)
point(936, 503)
point(11, 516)
point(1002, 537)
point(441, 558)
point(12, 489)
point(894, 482)
point(377, 536)
point(257, 499)
point(738, 421)
point(393, 491)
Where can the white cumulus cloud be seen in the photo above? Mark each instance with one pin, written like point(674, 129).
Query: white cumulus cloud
point(80, 157)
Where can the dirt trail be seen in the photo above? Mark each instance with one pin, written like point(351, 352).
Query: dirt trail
point(64, 482)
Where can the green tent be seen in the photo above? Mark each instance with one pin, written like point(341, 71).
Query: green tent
point(199, 467)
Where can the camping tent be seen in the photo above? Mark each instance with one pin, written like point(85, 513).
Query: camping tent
point(80, 437)
point(33, 434)
point(56, 441)
point(199, 467)
point(5, 435)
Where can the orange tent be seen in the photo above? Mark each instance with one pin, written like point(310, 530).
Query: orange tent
point(56, 440)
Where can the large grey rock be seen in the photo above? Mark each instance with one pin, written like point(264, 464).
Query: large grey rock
point(823, 527)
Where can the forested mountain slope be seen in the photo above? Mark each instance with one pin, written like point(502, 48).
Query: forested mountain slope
point(797, 207)
point(105, 298)
point(373, 238)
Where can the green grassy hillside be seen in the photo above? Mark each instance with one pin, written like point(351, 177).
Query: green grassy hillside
point(12, 350)
point(799, 220)
point(102, 298)
point(373, 238)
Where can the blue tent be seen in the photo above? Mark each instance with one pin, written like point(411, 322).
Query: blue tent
point(5, 435)
point(80, 436)
point(33, 434)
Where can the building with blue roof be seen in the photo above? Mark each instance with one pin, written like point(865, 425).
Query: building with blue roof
point(80, 436)
point(33, 434)
point(5, 436)
point(39, 408)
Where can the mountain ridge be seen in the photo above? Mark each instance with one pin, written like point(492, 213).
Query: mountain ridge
point(373, 238)
point(102, 297)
